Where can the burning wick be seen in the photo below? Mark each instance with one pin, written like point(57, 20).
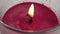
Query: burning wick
point(31, 12)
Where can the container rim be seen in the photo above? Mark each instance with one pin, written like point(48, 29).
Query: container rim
point(26, 31)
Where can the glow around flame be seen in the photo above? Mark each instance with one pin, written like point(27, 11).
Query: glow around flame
point(31, 10)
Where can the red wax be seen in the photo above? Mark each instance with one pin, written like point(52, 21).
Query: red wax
point(44, 17)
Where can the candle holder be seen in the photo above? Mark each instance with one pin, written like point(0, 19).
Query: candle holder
point(7, 4)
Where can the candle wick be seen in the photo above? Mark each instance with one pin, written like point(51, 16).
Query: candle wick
point(30, 21)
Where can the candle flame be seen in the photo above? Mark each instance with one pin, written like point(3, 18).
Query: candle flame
point(31, 10)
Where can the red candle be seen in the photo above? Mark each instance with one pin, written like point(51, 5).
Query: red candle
point(30, 16)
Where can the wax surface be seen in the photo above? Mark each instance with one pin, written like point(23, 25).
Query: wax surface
point(44, 17)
